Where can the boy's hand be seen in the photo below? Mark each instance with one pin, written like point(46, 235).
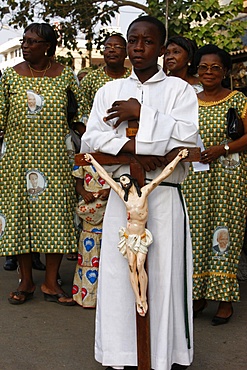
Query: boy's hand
point(124, 110)
point(150, 162)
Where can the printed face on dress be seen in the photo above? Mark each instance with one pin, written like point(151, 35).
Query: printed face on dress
point(222, 239)
point(114, 51)
point(31, 101)
point(211, 77)
point(176, 58)
point(33, 177)
point(144, 47)
point(33, 51)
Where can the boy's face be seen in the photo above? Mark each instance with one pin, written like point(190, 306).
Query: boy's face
point(144, 46)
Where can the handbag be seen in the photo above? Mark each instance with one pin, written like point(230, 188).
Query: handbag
point(235, 126)
point(72, 107)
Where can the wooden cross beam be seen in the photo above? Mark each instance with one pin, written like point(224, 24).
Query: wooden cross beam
point(137, 171)
point(126, 158)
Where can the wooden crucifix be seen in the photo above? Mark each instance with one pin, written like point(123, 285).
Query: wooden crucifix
point(137, 171)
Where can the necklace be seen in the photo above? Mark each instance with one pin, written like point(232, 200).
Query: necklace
point(37, 88)
point(42, 70)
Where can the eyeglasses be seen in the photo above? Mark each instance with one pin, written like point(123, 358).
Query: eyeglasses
point(203, 68)
point(114, 47)
point(31, 42)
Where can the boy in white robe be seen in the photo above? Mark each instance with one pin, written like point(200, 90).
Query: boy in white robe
point(164, 113)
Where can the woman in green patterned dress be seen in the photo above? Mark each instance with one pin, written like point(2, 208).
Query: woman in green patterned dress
point(37, 215)
point(216, 195)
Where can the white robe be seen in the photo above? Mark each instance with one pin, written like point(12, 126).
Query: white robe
point(168, 119)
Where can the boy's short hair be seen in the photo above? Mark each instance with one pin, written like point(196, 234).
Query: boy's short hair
point(153, 20)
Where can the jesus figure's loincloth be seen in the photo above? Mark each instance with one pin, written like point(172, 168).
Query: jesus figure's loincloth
point(137, 243)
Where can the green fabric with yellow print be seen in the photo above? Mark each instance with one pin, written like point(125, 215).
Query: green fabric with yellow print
point(91, 83)
point(42, 220)
point(217, 199)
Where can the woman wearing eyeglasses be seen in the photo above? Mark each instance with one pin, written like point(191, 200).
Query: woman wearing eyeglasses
point(216, 195)
point(35, 141)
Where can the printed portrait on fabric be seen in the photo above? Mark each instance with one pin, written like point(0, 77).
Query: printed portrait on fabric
point(36, 183)
point(221, 241)
point(35, 102)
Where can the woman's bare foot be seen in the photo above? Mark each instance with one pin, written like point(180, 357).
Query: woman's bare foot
point(22, 294)
point(223, 315)
point(224, 310)
point(26, 286)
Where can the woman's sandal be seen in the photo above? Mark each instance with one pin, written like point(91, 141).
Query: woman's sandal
point(55, 298)
point(217, 320)
point(20, 293)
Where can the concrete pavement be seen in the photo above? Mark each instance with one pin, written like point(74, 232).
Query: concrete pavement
point(39, 335)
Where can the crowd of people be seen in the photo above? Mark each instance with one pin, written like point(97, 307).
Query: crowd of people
point(144, 112)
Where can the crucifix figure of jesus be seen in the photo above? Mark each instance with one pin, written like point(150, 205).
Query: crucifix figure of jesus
point(135, 237)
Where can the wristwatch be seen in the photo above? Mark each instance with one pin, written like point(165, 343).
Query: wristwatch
point(226, 147)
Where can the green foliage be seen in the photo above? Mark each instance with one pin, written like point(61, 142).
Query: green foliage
point(202, 20)
point(66, 60)
point(219, 27)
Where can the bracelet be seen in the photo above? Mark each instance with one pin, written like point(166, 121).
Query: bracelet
point(131, 131)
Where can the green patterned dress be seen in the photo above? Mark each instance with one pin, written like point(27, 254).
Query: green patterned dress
point(37, 193)
point(216, 201)
point(90, 84)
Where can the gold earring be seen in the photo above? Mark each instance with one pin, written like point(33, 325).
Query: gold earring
point(45, 53)
point(189, 64)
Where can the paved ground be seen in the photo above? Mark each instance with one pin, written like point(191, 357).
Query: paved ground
point(40, 335)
